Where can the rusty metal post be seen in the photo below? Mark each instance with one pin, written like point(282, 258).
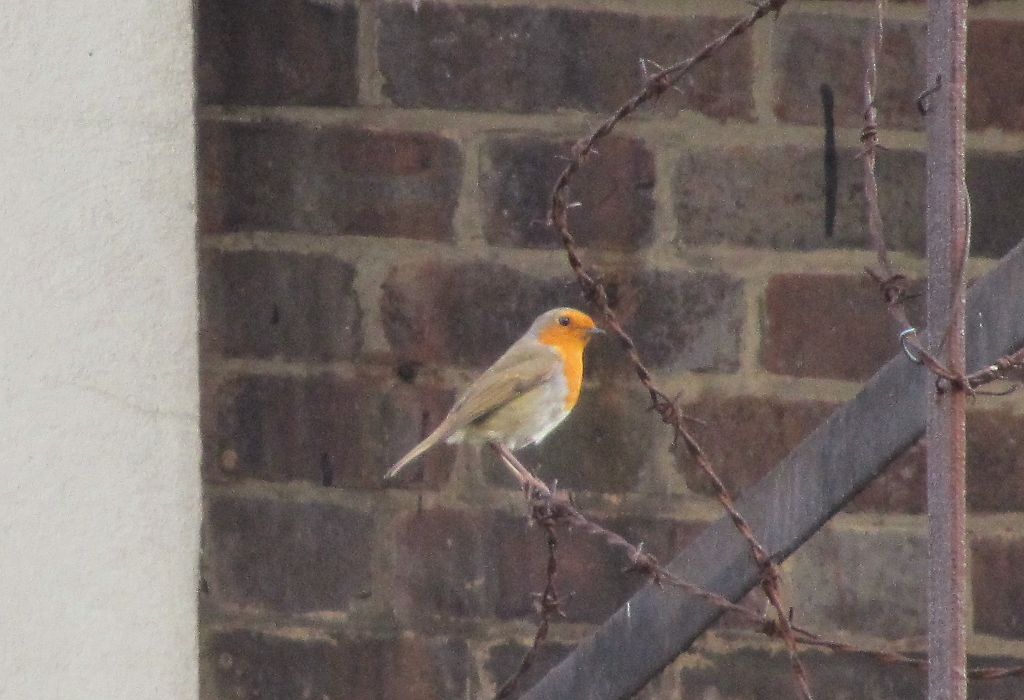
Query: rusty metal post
point(948, 231)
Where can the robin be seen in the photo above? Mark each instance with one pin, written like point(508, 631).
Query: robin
point(525, 394)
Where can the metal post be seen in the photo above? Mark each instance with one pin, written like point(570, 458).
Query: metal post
point(947, 230)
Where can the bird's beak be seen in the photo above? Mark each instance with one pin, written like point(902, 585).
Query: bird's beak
point(596, 331)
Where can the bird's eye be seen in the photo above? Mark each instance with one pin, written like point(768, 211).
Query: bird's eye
point(563, 320)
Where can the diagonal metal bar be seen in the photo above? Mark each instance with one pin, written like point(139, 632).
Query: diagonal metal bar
point(785, 508)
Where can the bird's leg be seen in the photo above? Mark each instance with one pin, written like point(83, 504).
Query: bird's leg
point(526, 479)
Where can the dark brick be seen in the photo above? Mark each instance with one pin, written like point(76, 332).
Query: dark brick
point(290, 557)
point(615, 190)
point(996, 566)
point(469, 313)
point(735, 196)
point(312, 664)
point(748, 674)
point(995, 62)
point(898, 489)
point(331, 180)
point(588, 568)
point(523, 59)
point(995, 461)
point(279, 305)
point(829, 326)
point(323, 430)
point(276, 52)
point(866, 582)
point(775, 198)
point(815, 50)
point(995, 182)
point(682, 320)
point(745, 437)
point(1002, 689)
point(603, 445)
point(439, 566)
point(503, 661)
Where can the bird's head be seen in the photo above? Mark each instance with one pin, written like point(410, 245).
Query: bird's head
point(564, 328)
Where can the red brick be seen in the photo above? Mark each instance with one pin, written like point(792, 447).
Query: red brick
point(865, 582)
point(995, 62)
point(615, 190)
point(748, 674)
point(815, 50)
point(469, 313)
point(523, 59)
point(746, 437)
point(439, 568)
point(322, 430)
point(276, 52)
point(330, 180)
point(828, 326)
point(278, 305)
point(589, 570)
point(283, 556)
point(735, 195)
point(313, 664)
point(997, 564)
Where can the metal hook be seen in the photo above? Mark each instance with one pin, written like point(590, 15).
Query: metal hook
point(906, 349)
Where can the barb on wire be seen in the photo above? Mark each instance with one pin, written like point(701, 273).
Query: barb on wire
point(550, 509)
point(597, 294)
point(549, 605)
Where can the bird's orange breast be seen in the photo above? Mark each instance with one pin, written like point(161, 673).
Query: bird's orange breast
point(570, 350)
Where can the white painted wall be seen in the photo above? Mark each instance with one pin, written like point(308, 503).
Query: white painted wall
point(99, 487)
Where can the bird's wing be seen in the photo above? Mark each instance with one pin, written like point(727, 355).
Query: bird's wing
point(514, 374)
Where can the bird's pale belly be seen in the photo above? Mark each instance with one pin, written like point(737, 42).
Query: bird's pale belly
point(523, 421)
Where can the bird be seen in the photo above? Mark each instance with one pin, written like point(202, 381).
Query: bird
point(525, 394)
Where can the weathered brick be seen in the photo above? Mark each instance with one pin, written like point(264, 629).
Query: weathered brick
point(681, 320)
point(1003, 689)
point(523, 59)
point(322, 430)
point(830, 326)
point(746, 437)
point(331, 180)
point(775, 197)
point(276, 52)
point(866, 582)
point(813, 53)
point(615, 190)
point(284, 556)
point(748, 674)
point(734, 195)
point(995, 461)
point(278, 305)
point(250, 664)
point(996, 566)
point(995, 61)
point(464, 314)
point(503, 661)
point(588, 568)
point(439, 566)
point(469, 313)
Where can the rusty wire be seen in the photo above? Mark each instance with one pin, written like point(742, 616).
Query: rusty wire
point(550, 508)
point(597, 294)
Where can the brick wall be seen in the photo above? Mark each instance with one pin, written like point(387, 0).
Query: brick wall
point(372, 176)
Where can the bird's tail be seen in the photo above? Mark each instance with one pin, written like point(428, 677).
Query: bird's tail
point(442, 431)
